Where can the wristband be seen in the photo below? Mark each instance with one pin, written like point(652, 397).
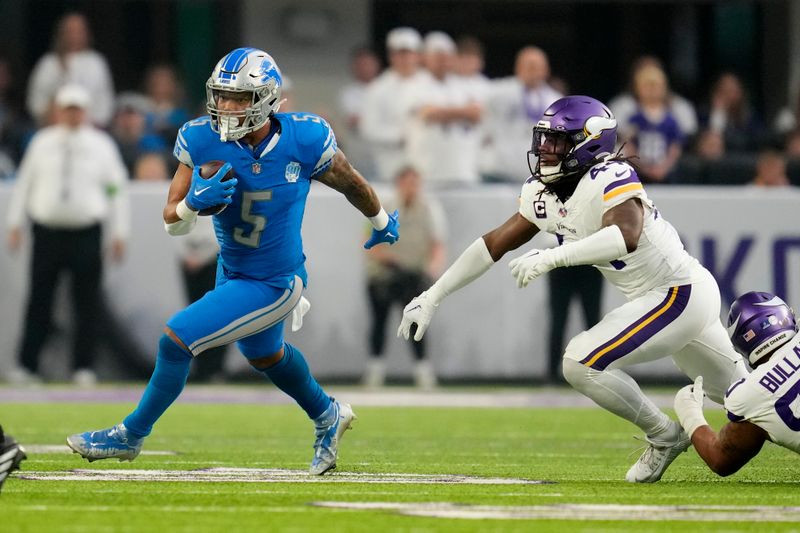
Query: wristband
point(185, 212)
point(692, 421)
point(380, 221)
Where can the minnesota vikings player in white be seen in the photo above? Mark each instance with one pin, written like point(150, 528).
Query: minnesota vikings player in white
point(762, 406)
point(596, 206)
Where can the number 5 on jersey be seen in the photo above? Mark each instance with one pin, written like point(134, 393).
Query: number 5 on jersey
point(259, 222)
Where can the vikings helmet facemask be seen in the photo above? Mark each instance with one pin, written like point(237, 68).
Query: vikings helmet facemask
point(579, 130)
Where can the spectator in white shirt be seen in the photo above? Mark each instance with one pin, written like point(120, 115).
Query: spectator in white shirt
point(385, 117)
point(515, 104)
point(71, 180)
point(443, 135)
point(364, 67)
point(72, 61)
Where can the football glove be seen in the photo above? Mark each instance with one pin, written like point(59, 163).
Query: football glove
point(419, 311)
point(211, 192)
point(299, 312)
point(689, 406)
point(390, 234)
point(530, 266)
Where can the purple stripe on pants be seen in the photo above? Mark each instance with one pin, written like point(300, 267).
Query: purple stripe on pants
point(643, 335)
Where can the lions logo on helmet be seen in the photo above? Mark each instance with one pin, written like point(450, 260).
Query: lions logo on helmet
point(578, 131)
point(245, 70)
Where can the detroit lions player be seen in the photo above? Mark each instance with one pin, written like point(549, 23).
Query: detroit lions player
point(261, 273)
point(762, 406)
point(596, 206)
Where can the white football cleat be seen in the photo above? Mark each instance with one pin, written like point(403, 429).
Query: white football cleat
point(658, 456)
point(326, 446)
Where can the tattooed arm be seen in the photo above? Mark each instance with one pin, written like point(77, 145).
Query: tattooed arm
point(342, 177)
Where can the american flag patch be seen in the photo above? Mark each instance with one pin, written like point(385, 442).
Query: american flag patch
point(748, 336)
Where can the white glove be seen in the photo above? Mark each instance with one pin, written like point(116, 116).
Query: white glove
point(419, 311)
point(689, 406)
point(299, 312)
point(530, 266)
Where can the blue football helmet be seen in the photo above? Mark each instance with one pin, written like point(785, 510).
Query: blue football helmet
point(244, 70)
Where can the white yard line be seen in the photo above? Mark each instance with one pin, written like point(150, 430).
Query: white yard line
point(264, 475)
point(572, 511)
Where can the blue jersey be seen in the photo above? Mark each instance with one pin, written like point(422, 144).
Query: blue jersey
point(259, 232)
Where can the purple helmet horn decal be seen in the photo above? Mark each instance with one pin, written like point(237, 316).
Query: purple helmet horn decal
point(582, 127)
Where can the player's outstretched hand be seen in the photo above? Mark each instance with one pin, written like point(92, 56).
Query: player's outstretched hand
point(390, 234)
point(299, 312)
point(211, 192)
point(689, 403)
point(419, 311)
point(530, 266)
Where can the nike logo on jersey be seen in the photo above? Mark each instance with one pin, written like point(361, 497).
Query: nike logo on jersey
point(390, 234)
point(414, 308)
point(198, 192)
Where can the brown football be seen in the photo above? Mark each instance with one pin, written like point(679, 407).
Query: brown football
point(207, 170)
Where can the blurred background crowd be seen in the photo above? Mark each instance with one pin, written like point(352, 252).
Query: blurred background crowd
point(702, 100)
point(435, 95)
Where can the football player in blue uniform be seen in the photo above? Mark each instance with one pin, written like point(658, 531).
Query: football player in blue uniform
point(261, 273)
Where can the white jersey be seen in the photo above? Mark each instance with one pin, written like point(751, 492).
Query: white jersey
point(769, 397)
point(442, 152)
point(384, 121)
point(511, 112)
point(659, 261)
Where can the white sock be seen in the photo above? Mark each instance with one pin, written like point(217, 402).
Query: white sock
point(616, 391)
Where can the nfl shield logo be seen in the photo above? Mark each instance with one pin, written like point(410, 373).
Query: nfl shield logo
point(256, 168)
point(292, 171)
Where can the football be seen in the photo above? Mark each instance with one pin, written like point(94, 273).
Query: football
point(207, 170)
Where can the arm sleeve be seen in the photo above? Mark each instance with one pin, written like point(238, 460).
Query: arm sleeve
point(469, 266)
point(599, 247)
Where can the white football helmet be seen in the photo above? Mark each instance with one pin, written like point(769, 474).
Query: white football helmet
point(244, 70)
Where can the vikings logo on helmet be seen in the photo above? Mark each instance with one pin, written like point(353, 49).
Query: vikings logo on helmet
point(579, 130)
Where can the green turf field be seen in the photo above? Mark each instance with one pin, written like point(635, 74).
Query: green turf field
point(583, 452)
